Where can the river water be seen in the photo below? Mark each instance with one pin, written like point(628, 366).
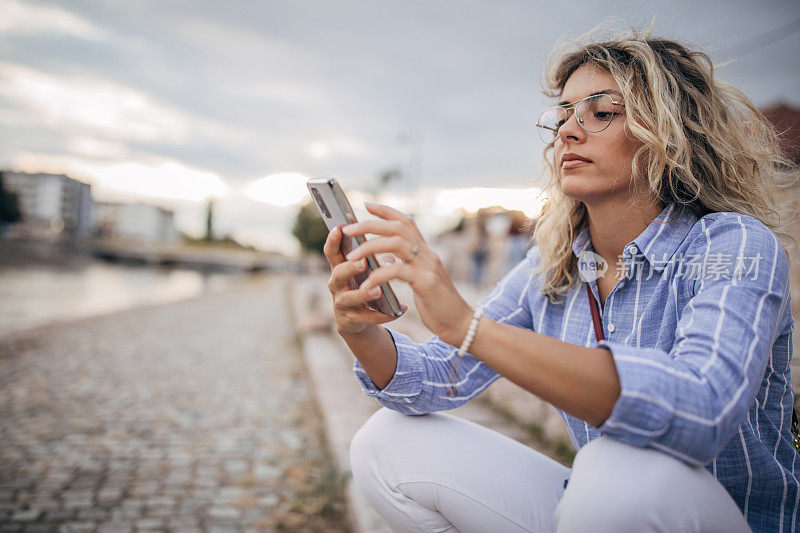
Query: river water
point(35, 294)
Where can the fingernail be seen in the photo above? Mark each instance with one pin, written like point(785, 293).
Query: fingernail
point(351, 256)
point(333, 231)
point(348, 230)
point(374, 291)
point(361, 264)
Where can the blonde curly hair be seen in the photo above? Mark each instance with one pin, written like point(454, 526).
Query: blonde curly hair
point(705, 146)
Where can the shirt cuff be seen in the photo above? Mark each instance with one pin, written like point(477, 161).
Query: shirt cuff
point(407, 380)
point(647, 400)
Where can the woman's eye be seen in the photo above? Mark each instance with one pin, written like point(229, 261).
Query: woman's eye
point(605, 115)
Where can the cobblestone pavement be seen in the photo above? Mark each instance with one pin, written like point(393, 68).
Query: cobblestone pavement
point(194, 416)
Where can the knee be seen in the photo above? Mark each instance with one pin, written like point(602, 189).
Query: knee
point(375, 434)
point(616, 487)
point(371, 448)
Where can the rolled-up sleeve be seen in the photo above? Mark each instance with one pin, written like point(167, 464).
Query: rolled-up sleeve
point(689, 401)
point(422, 377)
point(406, 383)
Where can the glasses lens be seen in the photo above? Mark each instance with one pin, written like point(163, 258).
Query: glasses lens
point(596, 113)
point(549, 122)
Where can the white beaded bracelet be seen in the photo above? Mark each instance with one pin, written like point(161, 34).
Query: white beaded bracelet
point(473, 326)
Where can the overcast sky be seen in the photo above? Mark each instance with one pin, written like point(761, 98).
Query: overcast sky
point(231, 92)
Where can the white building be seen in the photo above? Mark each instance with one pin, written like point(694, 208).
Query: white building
point(51, 205)
point(135, 221)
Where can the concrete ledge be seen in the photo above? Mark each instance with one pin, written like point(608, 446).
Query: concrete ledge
point(344, 407)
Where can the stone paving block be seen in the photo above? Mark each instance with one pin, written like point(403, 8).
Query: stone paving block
point(160, 512)
point(106, 494)
point(150, 523)
point(115, 528)
point(231, 494)
point(144, 489)
point(235, 466)
point(122, 514)
point(60, 515)
point(39, 528)
point(266, 472)
point(78, 527)
point(161, 501)
point(85, 482)
point(45, 505)
point(19, 483)
point(183, 522)
point(26, 515)
point(24, 497)
point(78, 503)
point(223, 513)
point(94, 513)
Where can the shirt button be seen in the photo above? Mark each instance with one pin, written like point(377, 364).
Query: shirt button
point(633, 249)
point(611, 328)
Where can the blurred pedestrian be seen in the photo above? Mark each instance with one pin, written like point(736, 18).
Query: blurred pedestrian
point(480, 250)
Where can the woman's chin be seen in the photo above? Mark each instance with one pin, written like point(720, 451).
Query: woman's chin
point(582, 188)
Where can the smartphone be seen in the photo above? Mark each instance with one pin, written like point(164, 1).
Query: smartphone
point(335, 210)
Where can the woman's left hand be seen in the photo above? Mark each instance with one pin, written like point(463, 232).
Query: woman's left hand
point(441, 307)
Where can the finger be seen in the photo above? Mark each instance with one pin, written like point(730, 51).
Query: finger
point(354, 298)
point(379, 227)
point(386, 212)
point(368, 315)
point(343, 272)
point(332, 248)
point(385, 259)
point(401, 271)
point(395, 245)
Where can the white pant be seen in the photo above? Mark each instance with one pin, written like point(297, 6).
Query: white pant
point(442, 473)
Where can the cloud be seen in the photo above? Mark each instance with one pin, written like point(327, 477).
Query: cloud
point(154, 178)
point(30, 18)
point(281, 190)
point(94, 106)
point(337, 146)
point(168, 179)
point(96, 148)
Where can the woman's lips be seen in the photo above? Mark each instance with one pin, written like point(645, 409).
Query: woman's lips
point(574, 163)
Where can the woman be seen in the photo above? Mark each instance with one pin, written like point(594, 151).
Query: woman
point(660, 215)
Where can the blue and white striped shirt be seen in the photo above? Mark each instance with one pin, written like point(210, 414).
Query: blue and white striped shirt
point(700, 331)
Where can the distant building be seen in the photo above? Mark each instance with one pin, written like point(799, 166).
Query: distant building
point(135, 221)
point(52, 205)
point(786, 119)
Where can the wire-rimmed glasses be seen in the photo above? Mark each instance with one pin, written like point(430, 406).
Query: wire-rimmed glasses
point(594, 114)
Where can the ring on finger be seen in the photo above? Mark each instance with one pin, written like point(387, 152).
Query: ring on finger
point(414, 251)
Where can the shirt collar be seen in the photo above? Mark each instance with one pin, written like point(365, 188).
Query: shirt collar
point(658, 242)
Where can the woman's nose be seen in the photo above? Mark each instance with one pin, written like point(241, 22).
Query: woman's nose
point(571, 130)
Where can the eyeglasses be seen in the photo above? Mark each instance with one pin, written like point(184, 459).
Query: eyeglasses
point(594, 114)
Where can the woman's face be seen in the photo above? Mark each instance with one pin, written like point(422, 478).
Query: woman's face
point(610, 152)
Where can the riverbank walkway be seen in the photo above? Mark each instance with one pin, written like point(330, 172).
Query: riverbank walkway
point(191, 416)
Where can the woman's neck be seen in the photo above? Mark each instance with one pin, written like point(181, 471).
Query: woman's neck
point(613, 224)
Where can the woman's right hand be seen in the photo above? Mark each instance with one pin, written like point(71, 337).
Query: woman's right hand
point(349, 304)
